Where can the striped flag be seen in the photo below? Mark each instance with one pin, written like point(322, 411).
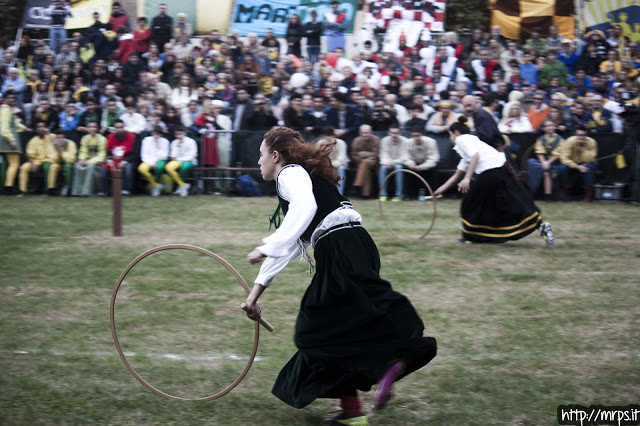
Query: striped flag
point(518, 18)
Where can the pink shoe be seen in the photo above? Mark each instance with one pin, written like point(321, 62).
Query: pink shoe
point(385, 385)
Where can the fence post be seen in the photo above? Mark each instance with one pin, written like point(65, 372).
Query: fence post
point(116, 190)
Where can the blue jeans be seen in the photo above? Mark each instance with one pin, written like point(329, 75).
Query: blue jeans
point(129, 174)
point(57, 37)
point(312, 53)
point(589, 178)
point(399, 180)
point(342, 172)
point(534, 174)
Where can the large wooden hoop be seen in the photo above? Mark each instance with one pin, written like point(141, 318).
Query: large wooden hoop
point(430, 198)
point(117, 342)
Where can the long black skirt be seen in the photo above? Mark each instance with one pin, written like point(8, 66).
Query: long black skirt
point(351, 325)
point(498, 208)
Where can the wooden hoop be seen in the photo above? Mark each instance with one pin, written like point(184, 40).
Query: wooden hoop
point(432, 198)
point(117, 342)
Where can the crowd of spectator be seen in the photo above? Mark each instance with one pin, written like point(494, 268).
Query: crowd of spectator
point(124, 95)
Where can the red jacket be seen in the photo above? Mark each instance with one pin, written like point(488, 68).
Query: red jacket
point(119, 150)
point(126, 47)
point(141, 40)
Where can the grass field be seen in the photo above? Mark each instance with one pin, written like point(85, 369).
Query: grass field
point(521, 329)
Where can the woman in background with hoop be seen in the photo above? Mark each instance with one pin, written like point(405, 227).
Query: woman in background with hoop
point(496, 207)
point(352, 329)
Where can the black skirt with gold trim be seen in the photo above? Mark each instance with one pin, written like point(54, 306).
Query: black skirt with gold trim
point(498, 208)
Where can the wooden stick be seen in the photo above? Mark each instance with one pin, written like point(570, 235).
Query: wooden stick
point(262, 321)
point(431, 197)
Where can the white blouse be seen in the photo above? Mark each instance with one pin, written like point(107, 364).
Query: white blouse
point(294, 185)
point(469, 145)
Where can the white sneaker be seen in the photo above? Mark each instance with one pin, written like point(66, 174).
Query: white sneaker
point(155, 191)
point(178, 191)
point(64, 191)
point(125, 192)
point(185, 189)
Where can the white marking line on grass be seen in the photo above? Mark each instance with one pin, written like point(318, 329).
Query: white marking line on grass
point(173, 357)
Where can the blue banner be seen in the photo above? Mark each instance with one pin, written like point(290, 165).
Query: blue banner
point(256, 16)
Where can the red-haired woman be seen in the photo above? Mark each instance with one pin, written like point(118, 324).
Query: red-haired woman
point(353, 329)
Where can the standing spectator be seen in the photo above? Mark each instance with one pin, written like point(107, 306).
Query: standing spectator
point(484, 121)
point(10, 145)
point(154, 154)
point(423, 158)
point(119, 17)
point(313, 31)
point(365, 150)
point(393, 156)
point(142, 36)
point(120, 155)
point(183, 157)
point(162, 27)
point(65, 157)
point(294, 35)
point(242, 109)
point(579, 155)
point(293, 115)
point(590, 60)
point(126, 46)
point(511, 53)
point(546, 165)
point(182, 28)
point(92, 153)
point(248, 74)
point(482, 69)
point(59, 11)
point(184, 92)
point(335, 26)
point(206, 125)
point(263, 118)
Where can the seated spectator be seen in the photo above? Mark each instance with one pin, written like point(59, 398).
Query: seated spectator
point(567, 55)
point(339, 158)
point(536, 43)
point(91, 155)
point(539, 110)
point(553, 68)
point(134, 122)
point(554, 40)
point(578, 157)
point(183, 157)
point(598, 119)
point(590, 60)
point(45, 112)
point(423, 158)
point(69, 118)
point(15, 83)
point(514, 120)
point(512, 53)
point(401, 113)
point(365, 150)
point(443, 118)
point(248, 74)
point(184, 92)
point(40, 155)
point(393, 156)
point(154, 154)
point(121, 155)
point(316, 117)
point(342, 117)
point(546, 165)
point(382, 117)
point(64, 159)
point(416, 118)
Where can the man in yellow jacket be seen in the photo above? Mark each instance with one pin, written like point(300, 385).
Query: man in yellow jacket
point(66, 151)
point(40, 153)
point(579, 153)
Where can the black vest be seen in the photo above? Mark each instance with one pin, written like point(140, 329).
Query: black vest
point(327, 198)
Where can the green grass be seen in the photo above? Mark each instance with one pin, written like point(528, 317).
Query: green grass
point(521, 329)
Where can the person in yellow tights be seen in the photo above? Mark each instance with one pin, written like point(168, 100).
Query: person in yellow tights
point(184, 155)
point(10, 146)
point(154, 154)
point(40, 154)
